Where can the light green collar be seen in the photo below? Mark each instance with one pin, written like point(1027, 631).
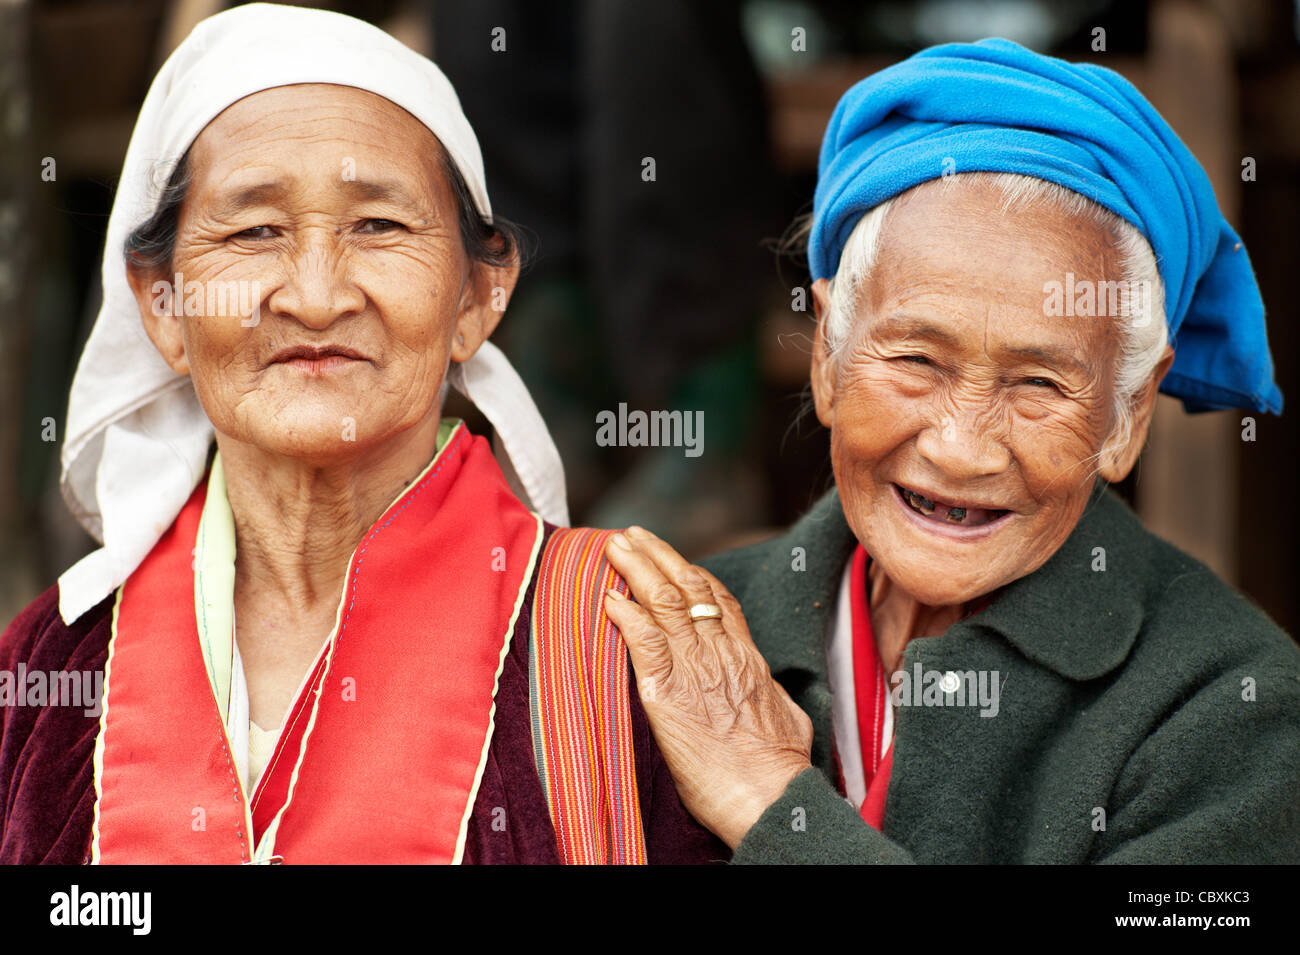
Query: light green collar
point(214, 578)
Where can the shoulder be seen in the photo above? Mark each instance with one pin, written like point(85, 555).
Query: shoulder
point(578, 674)
point(1209, 672)
point(1187, 603)
point(794, 563)
point(38, 636)
point(787, 586)
point(46, 750)
point(1206, 710)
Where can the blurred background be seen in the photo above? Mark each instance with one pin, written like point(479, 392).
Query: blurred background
point(666, 291)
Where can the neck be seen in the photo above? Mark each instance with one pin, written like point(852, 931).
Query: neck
point(297, 522)
point(897, 617)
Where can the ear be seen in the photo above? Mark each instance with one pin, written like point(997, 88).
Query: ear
point(1118, 461)
point(823, 365)
point(153, 296)
point(483, 302)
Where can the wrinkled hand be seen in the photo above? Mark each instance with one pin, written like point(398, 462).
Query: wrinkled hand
point(730, 734)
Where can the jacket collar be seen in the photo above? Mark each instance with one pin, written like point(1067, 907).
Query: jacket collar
point(1078, 615)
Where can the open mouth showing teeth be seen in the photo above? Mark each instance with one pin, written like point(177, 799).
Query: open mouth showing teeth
point(948, 513)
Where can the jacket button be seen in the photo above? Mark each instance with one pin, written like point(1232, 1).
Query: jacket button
point(950, 682)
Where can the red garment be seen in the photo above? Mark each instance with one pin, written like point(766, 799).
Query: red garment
point(404, 688)
point(869, 689)
point(47, 791)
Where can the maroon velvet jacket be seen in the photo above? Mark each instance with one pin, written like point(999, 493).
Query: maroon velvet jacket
point(47, 792)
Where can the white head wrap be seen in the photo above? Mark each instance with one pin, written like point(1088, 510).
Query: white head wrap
point(137, 439)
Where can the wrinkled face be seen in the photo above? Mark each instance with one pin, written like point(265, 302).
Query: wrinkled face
point(966, 421)
point(324, 282)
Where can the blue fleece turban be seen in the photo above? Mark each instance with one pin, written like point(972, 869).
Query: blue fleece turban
point(994, 106)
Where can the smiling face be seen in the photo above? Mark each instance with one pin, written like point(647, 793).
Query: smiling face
point(967, 424)
point(325, 212)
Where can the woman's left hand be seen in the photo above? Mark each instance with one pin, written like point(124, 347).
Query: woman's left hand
point(730, 734)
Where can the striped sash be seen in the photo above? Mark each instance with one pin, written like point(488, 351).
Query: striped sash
point(578, 682)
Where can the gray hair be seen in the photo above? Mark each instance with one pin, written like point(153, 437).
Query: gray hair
point(1142, 340)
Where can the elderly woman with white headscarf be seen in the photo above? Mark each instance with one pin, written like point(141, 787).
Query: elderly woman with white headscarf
point(329, 626)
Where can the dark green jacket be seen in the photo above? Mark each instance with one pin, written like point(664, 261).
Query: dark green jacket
point(1148, 713)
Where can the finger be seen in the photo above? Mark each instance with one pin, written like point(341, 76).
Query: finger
point(733, 617)
point(646, 642)
point(653, 591)
point(694, 586)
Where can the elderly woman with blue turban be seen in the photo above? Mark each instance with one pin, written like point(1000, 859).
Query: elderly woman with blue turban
point(971, 650)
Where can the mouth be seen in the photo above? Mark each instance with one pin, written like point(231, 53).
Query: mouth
point(317, 360)
point(960, 517)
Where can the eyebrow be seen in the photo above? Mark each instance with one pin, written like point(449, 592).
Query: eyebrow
point(1053, 358)
point(383, 190)
point(265, 193)
point(911, 327)
point(914, 328)
point(248, 197)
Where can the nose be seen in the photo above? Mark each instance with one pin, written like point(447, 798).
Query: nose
point(317, 290)
point(965, 445)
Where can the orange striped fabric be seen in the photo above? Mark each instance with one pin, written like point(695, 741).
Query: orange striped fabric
point(582, 726)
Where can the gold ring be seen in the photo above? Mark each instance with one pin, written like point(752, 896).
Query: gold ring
point(705, 612)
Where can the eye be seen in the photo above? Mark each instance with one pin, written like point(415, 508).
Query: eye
point(374, 226)
point(1042, 383)
point(256, 232)
point(916, 359)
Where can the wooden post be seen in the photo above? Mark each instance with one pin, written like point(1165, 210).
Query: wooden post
point(1187, 479)
point(20, 173)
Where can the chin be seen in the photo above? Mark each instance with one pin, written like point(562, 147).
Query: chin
point(312, 440)
point(933, 590)
point(940, 578)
